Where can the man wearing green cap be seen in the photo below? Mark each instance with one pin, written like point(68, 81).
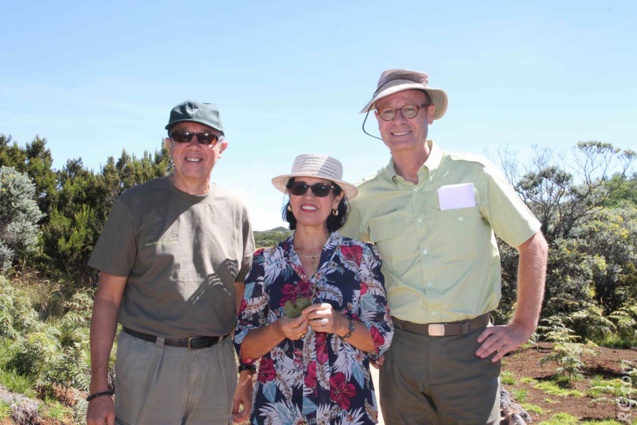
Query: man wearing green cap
point(172, 259)
point(433, 216)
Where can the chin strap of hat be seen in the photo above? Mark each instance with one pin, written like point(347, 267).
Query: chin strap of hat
point(365, 131)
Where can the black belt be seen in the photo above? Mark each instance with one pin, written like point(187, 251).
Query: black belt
point(444, 329)
point(192, 343)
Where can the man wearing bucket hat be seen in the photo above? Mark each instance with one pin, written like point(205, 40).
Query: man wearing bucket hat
point(172, 257)
point(433, 215)
point(314, 311)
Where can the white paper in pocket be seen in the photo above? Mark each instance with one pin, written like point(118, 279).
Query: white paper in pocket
point(456, 196)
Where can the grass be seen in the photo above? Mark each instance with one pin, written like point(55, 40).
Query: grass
point(5, 410)
point(55, 410)
point(17, 383)
point(532, 408)
point(561, 419)
point(553, 388)
point(507, 378)
point(520, 395)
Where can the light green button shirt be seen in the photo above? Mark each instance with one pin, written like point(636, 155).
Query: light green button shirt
point(436, 238)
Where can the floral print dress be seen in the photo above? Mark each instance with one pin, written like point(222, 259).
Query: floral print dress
point(319, 379)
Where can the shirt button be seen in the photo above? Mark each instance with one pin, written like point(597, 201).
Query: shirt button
point(424, 251)
point(415, 189)
point(419, 219)
point(433, 313)
point(429, 284)
point(460, 218)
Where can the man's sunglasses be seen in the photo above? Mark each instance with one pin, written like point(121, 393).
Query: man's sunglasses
point(186, 137)
point(318, 189)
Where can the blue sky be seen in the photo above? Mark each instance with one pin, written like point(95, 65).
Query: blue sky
point(290, 77)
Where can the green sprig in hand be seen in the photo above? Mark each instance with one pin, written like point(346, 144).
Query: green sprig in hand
point(293, 309)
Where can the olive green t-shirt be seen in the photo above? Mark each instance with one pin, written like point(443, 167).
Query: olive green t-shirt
point(436, 238)
point(182, 254)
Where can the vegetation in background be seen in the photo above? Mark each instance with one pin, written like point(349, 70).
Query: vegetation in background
point(271, 237)
point(567, 353)
point(19, 217)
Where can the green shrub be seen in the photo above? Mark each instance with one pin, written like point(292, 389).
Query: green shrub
point(19, 216)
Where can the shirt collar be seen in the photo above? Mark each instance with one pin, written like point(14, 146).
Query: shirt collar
point(434, 158)
point(428, 168)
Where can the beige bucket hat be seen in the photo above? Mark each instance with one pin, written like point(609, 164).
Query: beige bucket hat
point(397, 80)
point(319, 166)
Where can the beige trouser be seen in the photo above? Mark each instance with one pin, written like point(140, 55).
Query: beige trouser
point(438, 381)
point(157, 385)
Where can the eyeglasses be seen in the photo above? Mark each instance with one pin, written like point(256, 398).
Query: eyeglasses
point(186, 137)
point(320, 190)
point(408, 111)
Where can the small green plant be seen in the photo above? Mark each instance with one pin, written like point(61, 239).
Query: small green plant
point(507, 378)
point(520, 395)
point(625, 319)
point(553, 388)
point(614, 387)
point(561, 419)
point(532, 408)
point(567, 353)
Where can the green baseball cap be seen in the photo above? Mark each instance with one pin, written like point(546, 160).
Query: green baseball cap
point(194, 111)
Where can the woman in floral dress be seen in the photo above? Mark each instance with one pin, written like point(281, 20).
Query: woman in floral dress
point(314, 367)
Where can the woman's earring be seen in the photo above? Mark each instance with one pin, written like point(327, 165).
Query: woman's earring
point(290, 208)
point(334, 212)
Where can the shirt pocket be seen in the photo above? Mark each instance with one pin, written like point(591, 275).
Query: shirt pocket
point(387, 233)
point(462, 232)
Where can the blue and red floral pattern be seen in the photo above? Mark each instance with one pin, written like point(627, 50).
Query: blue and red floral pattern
point(320, 379)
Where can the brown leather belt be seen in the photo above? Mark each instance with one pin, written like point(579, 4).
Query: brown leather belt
point(444, 329)
point(192, 343)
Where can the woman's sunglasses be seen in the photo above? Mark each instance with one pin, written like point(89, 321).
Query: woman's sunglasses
point(186, 137)
point(320, 190)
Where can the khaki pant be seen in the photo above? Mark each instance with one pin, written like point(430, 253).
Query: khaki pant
point(438, 381)
point(157, 385)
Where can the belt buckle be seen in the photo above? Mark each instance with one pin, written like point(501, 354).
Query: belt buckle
point(436, 329)
point(190, 339)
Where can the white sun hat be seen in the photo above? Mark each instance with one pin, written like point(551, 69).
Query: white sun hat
point(396, 80)
point(319, 166)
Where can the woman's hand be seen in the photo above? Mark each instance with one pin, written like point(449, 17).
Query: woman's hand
point(260, 341)
point(323, 318)
point(293, 329)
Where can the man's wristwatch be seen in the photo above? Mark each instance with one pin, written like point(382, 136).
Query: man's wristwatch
point(351, 327)
point(251, 367)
